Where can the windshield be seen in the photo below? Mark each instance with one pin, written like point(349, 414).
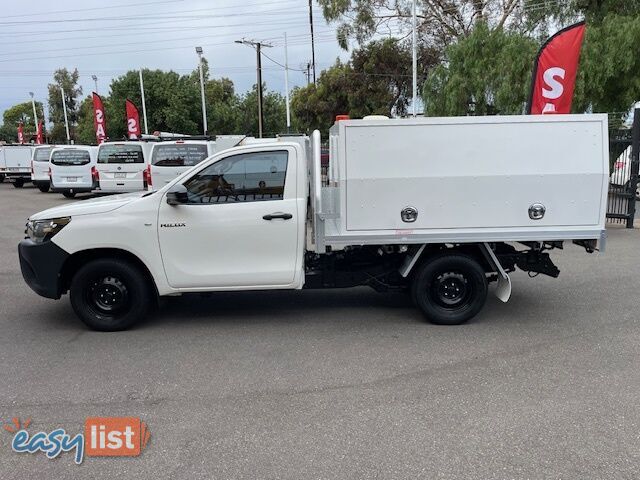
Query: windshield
point(42, 154)
point(178, 155)
point(120, 154)
point(70, 157)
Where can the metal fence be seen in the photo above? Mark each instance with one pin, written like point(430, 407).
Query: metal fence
point(624, 151)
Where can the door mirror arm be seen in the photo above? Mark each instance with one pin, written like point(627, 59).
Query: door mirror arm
point(177, 195)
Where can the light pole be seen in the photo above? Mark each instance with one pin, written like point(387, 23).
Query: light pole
point(204, 106)
point(414, 51)
point(313, 46)
point(144, 104)
point(95, 81)
point(66, 120)
point(286, 82)
point(35, 114)
point(257, 46)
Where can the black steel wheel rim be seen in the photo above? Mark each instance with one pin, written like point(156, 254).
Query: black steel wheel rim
point(451, 290)
point(108, 295)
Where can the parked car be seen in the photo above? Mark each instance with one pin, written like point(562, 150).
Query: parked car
point(405, 207)
point(171, 159)
point(16, 160)
point(40, 167)
point(621, 174)
point(73, 169)
point(121, 166)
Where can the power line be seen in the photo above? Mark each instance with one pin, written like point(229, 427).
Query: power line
point(160, 31)
point(117, 52)
point(147, 17)
point(122, 5)
point(153, 42)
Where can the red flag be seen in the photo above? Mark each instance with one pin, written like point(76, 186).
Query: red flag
point(133, 120)
point(99, 119)
point(554, 73)
point(20, 133)
point(39, 134)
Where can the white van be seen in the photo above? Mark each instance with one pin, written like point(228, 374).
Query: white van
point(40, 167)
point(171, 159)
point(17, 162)
point(73, 169)
point(121, 166)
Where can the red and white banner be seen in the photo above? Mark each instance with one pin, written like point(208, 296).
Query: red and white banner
point(39, 134)
point(20, 133)
point(133, 120)
point(99, 119)
point(554, 73)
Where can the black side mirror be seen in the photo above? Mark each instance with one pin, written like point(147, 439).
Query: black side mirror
point(177, 195)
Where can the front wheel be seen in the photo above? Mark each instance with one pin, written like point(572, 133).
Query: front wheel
point(110, 295)
point(450, 289)
point(69, 194)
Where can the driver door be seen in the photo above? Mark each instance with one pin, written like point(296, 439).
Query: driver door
point(239, 228)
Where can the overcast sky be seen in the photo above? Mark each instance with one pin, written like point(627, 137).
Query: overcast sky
point(108, 37)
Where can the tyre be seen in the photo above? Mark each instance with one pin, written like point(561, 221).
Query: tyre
point(1, 177)
point(43, 187)
point(450, 289)
point(18, 183)
point(69, 194)
point(110, 294)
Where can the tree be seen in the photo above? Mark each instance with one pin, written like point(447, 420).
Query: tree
point(223, 107)
point(171, 102)
point(491, 70)
point(609, 73)
point(376, 80)
point(274, 113)
point(23, 112)
point(69, 82)
point(316, 105)
point(440, 22)
point(85, 132)
point(487, 72)
point(8, 132)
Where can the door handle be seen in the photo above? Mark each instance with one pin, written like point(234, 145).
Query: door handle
point(284, 216)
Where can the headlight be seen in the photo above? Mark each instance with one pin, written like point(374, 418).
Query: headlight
point(42, 230)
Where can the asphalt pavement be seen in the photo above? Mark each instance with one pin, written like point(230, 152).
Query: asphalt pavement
point(336, 384)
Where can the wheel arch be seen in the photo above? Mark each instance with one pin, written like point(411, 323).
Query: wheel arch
point(80, 258)
point(473, 250)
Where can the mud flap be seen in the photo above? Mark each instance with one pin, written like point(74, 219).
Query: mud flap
point(503, 289)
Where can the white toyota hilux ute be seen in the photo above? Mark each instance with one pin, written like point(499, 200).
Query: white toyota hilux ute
point(402, 206)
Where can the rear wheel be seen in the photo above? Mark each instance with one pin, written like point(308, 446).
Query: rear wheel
point(43, 187)
point(450, 289)
point(69, 194)
point(110, 295)
point(1, 177)
point(18, 183)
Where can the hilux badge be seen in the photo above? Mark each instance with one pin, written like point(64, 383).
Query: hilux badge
point(172, 225)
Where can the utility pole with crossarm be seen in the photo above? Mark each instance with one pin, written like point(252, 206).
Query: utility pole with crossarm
point(257, 46)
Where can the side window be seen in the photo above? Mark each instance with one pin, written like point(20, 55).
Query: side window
point(248, 177)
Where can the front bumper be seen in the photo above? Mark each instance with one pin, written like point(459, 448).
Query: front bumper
point(41, 265)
